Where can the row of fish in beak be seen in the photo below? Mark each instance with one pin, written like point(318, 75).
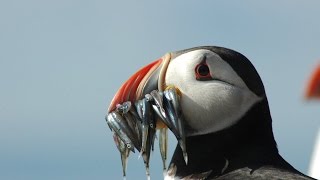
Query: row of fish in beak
point(134, 125)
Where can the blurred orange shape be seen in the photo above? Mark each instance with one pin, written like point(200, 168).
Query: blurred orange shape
point(313, 86)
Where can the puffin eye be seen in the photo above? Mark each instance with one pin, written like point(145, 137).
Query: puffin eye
point(202, 72)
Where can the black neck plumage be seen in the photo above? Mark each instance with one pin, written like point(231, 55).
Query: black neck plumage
point(249, 143)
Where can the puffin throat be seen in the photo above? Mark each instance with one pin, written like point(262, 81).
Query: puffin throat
point(251, 141)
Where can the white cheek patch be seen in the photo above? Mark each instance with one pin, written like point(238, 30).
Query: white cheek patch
point(209, 106)
point(217, 109)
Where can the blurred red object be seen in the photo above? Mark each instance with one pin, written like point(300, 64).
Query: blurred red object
point(313, 86)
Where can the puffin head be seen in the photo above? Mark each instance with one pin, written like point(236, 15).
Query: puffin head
point(223, 102)
point(214, 89)
point(217, 86)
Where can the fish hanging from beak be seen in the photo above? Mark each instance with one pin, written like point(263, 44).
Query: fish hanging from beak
point(143, 105)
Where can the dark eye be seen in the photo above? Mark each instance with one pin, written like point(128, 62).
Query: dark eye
point(202, 72)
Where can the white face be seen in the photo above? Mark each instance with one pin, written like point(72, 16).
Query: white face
point(213, 104)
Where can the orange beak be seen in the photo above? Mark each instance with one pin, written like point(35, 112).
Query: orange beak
point(148, 78)
point(313, 87)
point(129, 90)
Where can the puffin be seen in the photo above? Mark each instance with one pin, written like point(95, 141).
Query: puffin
point(226, 117)
point(312, 93)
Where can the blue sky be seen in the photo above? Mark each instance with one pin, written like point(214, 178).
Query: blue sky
point(62, 61)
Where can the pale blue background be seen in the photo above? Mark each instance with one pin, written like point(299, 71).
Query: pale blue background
point(62, 61)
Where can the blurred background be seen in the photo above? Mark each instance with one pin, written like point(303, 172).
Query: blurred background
point(62, 61)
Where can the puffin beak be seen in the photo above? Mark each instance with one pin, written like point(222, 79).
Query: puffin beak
point(144, 81)
point(142, 105)
point(313, 87)
point(131, 89)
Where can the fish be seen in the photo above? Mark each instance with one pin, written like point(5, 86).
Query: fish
point(118, 124)
point(135, 126)
point(158, 103)
point(124, 153)
point(133, 123)
point(142, 106)
point(163, 145)
point(175, 117)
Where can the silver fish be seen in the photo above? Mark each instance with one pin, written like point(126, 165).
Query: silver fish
point(138, 105)
point(175, 117)
point(163, 145)
point(118, 124)
point(132, 123)
point(141, 106)
point(147, 112)
point(153, 131)
point(138, 124)
point(172, 117)
point(134, 126)
point(146, 153)
point(124, 153)
point(158, 104)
